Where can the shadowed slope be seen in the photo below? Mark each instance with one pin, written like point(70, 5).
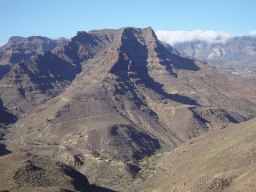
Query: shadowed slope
point(3, 150)
point(32, 82)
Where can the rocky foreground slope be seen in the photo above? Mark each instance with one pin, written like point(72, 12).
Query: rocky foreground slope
point(22, 171)
point(120, 94)
point(220, 160)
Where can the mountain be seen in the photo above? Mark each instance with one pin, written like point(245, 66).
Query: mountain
point(121, 94)
point(235, 49)
point(109, 99)
point(19, 48)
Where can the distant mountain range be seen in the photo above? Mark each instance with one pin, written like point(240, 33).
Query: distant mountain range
point(236, 56)
point(113, 95)
point(235, 49)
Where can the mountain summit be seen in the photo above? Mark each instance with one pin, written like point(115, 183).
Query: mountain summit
point(121, 94)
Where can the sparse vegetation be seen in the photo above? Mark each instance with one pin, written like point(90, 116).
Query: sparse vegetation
point(33, 141)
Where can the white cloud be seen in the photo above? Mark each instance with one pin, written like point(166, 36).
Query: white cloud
point(253, 33)
point(173, 37)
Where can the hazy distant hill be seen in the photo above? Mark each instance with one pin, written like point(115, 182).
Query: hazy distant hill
point(235, 56)
point(235, 49)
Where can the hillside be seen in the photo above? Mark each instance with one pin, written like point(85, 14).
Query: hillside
point(23, 171)
point(222, 160)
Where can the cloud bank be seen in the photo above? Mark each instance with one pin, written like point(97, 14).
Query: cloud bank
point(173, 37)
point(253, 33)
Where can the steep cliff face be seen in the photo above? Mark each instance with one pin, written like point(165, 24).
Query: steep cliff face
point(121, 94)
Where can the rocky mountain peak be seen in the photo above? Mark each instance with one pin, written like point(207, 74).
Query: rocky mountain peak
point(150, 30)
point(131, 33)
point(82, 37)
point(15, 39)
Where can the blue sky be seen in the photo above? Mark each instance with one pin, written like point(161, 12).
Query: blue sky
point(62, 18)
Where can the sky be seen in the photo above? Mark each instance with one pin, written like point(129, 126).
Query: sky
point(173, 21)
